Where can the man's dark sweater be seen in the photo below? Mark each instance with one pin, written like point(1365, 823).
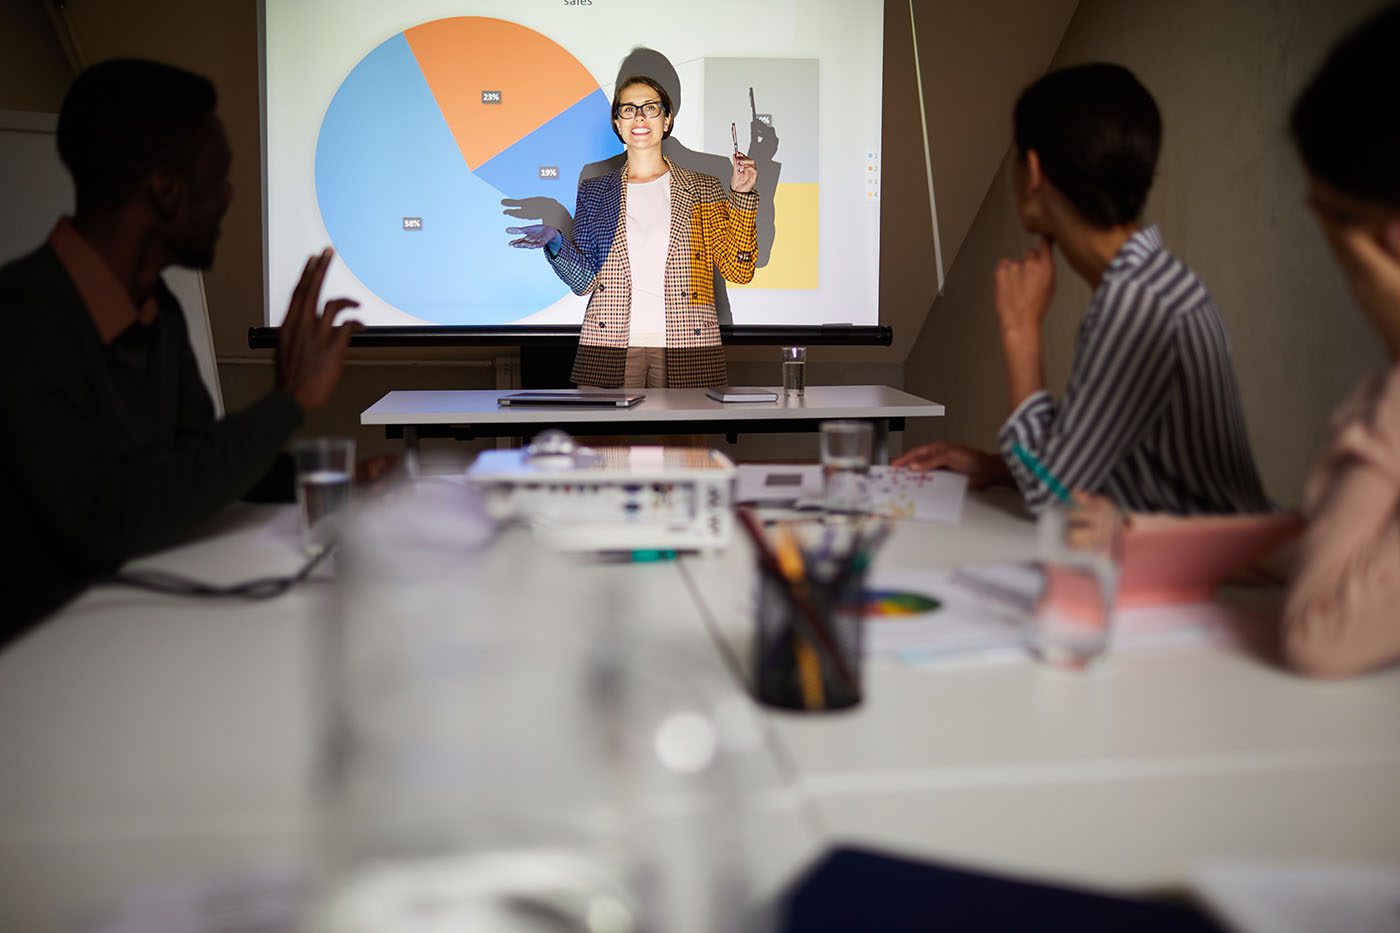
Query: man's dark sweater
point(107, 450)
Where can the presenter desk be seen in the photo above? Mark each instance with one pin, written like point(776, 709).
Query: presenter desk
point(150, 739)
point(470, 414)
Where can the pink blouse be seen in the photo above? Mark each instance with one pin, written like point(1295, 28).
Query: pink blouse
point(1343, 610)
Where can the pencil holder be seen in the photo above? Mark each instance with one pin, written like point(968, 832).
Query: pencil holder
point(809, 625)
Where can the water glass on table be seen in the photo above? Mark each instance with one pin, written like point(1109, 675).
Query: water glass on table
point(794, 371)
point(325, 467)
point(845, 450)
point(1081, 549)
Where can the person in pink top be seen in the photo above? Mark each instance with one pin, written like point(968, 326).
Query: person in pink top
point(1343, 610)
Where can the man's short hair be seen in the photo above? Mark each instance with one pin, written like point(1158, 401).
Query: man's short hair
point(1344, 132)
point(1097, 132)
point(122, 119)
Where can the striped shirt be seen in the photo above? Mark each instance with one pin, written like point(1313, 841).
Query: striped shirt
point(1152, 416)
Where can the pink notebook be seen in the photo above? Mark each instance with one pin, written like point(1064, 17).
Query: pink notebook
point(1175, 559)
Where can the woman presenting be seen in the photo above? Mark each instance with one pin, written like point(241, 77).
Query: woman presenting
point(646, 239)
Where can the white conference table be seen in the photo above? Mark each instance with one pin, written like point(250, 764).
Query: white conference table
point(147, 739)
point(151, 740)
point(469, 414)
point(1126, 776)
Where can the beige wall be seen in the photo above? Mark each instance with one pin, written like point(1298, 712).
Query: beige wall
point(34, 72)
point(1229, 201)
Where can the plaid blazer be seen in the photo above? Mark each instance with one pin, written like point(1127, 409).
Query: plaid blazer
point(709, 229)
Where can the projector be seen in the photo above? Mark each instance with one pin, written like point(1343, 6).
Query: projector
point(611, 498)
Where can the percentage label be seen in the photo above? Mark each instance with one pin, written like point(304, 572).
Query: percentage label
point(413, 223)
point(549, 171)
point(490, 97)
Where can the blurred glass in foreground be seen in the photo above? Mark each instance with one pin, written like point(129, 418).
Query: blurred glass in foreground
point(1081, 547)
point(511, 744)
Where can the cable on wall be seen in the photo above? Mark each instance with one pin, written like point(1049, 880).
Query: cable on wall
point(57, 11)
point(928, 152)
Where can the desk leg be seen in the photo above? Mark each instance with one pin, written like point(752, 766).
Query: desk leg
point(410, 451)
point(880, 443)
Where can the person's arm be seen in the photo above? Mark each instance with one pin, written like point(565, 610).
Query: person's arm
point(1122, 372)
point(981, 468)
point(1340, 617)
point(578, 258)
point(1023, 290)
point(731, 224)
point(104, 506)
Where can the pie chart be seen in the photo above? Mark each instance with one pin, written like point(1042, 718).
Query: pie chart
point(424, 138)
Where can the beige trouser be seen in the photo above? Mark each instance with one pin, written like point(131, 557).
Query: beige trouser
point(645, 369)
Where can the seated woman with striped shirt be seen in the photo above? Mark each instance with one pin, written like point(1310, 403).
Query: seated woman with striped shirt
point(1151, 416)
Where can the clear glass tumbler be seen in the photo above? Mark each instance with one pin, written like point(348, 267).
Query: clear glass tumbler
point(1081, 549)
point(325, 467)
point(794, 371)
point(502, 753)
point(845, 451)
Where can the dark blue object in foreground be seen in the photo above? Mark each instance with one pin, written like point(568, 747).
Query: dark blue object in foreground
point(853, 890)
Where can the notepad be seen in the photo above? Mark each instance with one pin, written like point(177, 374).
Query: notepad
point(742, 394)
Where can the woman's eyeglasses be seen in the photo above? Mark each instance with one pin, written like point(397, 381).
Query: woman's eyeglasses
point(649, 108)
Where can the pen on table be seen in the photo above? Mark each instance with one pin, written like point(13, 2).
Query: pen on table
point(1038, 470)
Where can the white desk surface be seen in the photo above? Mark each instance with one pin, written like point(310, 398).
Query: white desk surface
point(1123, 776)
point(148, 739)
point(479, 406)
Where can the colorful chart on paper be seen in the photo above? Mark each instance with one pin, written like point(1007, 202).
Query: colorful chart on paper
point(897, 604)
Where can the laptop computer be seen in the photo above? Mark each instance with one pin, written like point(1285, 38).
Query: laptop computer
point(571, 397)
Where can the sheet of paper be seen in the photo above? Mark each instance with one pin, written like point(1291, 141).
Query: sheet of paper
point(982, 612)
point(901, 624)
point(1259, 896)
point(922, 497)
point(936, 496)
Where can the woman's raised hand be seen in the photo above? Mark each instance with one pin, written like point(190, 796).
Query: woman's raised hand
point(745, 173)
point(535, 236)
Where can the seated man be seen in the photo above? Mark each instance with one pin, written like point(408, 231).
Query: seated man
point(1151, 417)
point(108, 443)
point(1341, 615)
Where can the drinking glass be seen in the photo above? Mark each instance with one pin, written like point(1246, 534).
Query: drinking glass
point(497, 754)
point(324, 469)
point(794, 371)
point(845, 451)
point(1081, 548)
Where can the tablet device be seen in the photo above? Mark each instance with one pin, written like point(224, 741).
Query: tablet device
point(1169, 559)
point(571, 397)
point(1181, 559)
